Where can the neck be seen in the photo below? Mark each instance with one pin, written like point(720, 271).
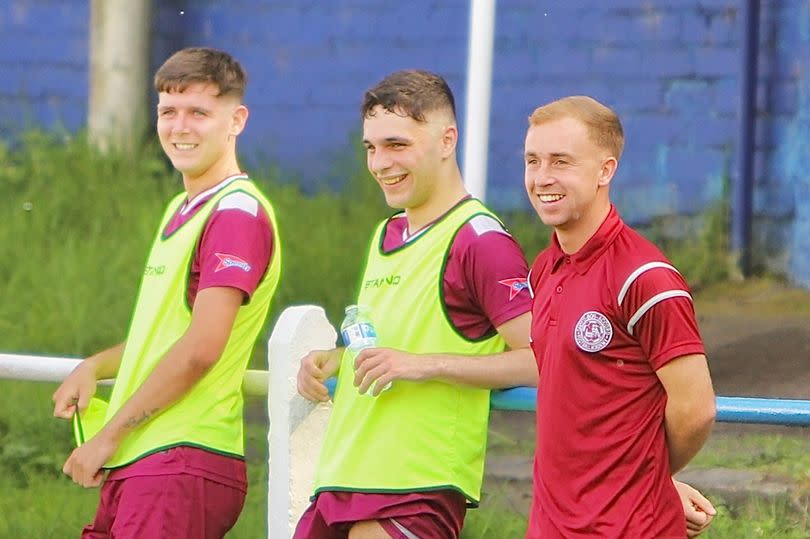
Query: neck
point(196, 184)
point(573, 238)
point(448, 191)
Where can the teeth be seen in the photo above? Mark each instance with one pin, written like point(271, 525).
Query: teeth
point(393, 181)
point(550, 198)
point(182, 146)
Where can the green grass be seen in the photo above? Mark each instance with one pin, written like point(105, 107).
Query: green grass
point(785, 455)
point(757, 519)
point(76, 229)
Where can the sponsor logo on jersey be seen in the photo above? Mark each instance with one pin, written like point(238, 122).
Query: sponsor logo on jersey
point(231, 261)
point(391, 280)
point(515, 286)
point(593, 332)
point(152, 271)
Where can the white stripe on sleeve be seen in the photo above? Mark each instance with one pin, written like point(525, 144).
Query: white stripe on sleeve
point(652, 302)
point(641, 269)
point(239, 201)
point(485, 223)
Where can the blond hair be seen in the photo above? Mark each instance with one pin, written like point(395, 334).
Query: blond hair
point(602, 123)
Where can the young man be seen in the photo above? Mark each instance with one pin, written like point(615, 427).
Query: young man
point(173, 435)
point(405, 462)
point(625, 399)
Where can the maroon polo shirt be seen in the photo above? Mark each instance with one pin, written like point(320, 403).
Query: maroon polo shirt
point(604, 319)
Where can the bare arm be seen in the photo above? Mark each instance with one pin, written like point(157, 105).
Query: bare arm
point(690, 409)
point(177, 372)
point(80, 385)
point(507, 369)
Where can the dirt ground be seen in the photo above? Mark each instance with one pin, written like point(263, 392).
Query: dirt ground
point(757, 338)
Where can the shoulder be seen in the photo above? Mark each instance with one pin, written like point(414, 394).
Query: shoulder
point(632, 255)
point(239, 201)
point(484, 234)
point(641, 274)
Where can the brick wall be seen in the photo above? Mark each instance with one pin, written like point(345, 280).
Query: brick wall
point(670, 68)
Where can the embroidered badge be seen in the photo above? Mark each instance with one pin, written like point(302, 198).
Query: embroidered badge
point(231, 261)
point(593, 332)
point(515, 286)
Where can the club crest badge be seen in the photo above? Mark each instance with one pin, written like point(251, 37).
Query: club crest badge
point(593, 332)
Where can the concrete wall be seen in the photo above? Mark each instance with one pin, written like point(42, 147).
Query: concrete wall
point(670, 68)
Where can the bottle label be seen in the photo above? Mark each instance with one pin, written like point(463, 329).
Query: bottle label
point(357, 332)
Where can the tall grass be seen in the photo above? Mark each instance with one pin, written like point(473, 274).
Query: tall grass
point(76, 227)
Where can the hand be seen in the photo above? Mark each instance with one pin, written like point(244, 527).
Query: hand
point(85, 462)
point(315, 368)
point(77, 389)
point(379, 366)
point(698, 510)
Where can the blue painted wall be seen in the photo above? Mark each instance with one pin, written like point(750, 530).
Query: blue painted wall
point(670, 68)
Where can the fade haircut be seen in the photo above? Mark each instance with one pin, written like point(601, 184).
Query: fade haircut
point(411, 92)
point(202, 65)
point(602, 123)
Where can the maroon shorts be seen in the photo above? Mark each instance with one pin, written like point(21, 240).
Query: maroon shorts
point(165, 502)
point(426, 515)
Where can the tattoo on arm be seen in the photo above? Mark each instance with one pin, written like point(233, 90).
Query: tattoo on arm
point(133, 422)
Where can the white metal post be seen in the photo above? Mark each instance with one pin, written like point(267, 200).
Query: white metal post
point(479, 91)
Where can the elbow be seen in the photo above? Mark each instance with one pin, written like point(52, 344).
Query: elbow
point(202, 358)
point(703, 418)
point(709, 415)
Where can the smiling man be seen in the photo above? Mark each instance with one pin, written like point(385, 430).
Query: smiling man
point(173, 433)
point(625, 399)
point(406, 462)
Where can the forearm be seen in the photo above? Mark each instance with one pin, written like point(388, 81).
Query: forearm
point(687, 431)
point(105, 364)
point(175, 374)
point(507, 369)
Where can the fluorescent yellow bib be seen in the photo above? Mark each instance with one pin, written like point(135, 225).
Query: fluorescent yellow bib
point(416, 436)
point(210, 414)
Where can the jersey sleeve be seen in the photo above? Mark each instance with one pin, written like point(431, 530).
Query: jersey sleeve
point(657, 309)
point(494, 271)
point(236, 246)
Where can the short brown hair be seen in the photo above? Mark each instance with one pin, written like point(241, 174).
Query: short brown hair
point(602, 123)
point(201, 65)
point(412, 92)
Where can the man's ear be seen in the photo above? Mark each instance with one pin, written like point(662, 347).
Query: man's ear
point(238, 120)
point(607, 171)
point(449, 140)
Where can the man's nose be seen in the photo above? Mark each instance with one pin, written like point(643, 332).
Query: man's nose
point(180, 124)
point(379, 161)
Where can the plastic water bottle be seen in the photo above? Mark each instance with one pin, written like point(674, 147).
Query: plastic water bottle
point(358, 332)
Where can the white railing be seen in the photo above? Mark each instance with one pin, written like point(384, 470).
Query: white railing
point(297, 426)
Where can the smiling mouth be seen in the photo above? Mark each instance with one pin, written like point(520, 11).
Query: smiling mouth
point(393, 180)
point(550, 198)
point(184, 146)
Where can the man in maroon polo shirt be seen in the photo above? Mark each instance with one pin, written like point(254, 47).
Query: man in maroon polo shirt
point(625, 399)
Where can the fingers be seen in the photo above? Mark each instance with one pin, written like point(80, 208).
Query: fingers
point(310, 381)
point(81, 475)
point(702, 503)
point(65, 405)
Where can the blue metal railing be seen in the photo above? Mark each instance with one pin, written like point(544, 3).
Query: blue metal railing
point(729, 409)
